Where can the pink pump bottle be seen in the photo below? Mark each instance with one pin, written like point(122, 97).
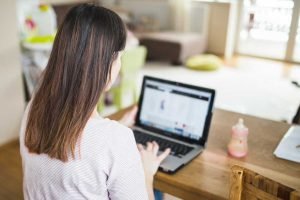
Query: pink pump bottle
point(238, 146)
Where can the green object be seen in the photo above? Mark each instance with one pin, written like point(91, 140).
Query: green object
point(132, 61)
point(100, 105)
point(204, 62)
point(41, 39)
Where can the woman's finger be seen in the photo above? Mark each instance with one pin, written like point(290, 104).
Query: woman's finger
point(162, 156)
point(149, 146)
point(140, 147)
point(155, 147)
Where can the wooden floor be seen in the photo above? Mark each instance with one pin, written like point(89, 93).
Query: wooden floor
point(10, 172)
point(239, 60)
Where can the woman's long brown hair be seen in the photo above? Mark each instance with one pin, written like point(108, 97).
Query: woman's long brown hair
point(77, 72)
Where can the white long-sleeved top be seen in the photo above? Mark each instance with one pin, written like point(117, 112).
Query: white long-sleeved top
point(109, 167)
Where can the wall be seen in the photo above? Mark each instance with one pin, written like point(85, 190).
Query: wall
point(222, 19)
point(179, 9)
point(62, 1)
point(170, 13)
point(222, 23)
point(160, 10)
point(222, 28)
point(11, 89)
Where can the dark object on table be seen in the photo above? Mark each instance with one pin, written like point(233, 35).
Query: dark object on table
point(296, 119)
point(296, 83)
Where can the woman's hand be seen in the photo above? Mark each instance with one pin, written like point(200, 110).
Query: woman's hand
point(150, 159)
point(128, 118)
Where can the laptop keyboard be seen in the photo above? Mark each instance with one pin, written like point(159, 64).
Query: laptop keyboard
point(177, 149)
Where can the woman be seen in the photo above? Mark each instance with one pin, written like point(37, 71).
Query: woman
point(68, 151)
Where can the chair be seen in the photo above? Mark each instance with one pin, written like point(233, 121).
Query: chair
point(132, 61)
point(248, 185)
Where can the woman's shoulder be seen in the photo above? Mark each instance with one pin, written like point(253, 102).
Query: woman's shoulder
point(111, 138)
point(110, 130)
point(106, 124)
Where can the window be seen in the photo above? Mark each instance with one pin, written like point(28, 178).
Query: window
point(265, 27)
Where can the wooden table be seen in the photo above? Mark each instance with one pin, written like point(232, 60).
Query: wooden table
point(207, 176)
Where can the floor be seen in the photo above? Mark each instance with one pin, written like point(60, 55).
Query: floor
point(10, 172)
point(247, 85)
point(250, 85)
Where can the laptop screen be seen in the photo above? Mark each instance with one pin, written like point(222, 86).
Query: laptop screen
point(174, 108)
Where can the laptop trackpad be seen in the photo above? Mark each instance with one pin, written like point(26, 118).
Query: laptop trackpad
point(171, 163)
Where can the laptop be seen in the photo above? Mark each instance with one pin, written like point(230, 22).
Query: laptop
point(176, 116)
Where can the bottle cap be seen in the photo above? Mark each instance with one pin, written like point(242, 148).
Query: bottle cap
point(240, 124)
